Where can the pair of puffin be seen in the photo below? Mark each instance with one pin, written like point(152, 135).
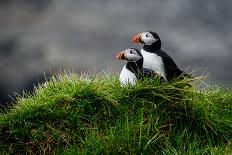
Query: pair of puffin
point(147, 61)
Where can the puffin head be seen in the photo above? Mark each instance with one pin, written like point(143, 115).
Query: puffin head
point(148, 38)
point(129, 54)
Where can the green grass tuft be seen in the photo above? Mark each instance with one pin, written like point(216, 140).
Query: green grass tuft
point(95, 115)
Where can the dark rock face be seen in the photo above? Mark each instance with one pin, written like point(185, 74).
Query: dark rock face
point(3, 98)
point(38, 36)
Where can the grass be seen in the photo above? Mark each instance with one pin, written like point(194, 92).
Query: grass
point(73, 114)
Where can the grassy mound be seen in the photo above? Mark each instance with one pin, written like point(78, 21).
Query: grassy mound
point(94, 115)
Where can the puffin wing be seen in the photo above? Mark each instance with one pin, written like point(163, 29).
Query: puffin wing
point(149, 73)
point(171, 69)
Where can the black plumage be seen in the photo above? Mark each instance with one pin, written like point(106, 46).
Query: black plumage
point(137, 68)
point(171, 69)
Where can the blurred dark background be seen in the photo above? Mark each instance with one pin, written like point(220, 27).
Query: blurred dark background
point(43, 36)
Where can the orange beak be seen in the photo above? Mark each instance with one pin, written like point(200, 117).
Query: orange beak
point(137, 39)
point(120, 55)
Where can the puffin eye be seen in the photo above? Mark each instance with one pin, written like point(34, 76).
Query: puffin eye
point(147, 35)
point(131, 52)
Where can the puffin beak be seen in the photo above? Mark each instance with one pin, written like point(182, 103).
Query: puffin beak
point(120, 55)
point(137, 39)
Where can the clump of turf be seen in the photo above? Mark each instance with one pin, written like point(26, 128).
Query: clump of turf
point(73, 114)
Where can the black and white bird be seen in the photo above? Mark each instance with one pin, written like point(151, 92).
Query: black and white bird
point(155, 58)
point(133, 69)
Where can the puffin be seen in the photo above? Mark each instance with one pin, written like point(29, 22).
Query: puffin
point(155, 58)
point(133, 70)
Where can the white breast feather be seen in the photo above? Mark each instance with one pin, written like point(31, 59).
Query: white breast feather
point(154, 62)
point(127, 77)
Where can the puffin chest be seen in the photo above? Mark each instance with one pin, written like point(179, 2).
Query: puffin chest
point(127, 77)
point(154, 62)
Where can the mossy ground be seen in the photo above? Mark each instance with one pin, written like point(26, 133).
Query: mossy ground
point(73, 114)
